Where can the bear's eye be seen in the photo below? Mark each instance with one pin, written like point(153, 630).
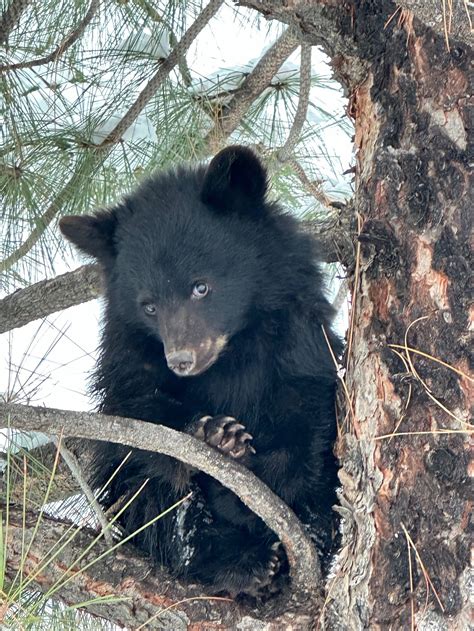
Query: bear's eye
point(149, 308)
point(200, 289)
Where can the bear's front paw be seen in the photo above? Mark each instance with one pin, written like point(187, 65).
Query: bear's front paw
point(225, 433)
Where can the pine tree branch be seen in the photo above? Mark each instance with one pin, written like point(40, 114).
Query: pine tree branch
point(97, 154)
point(85, 168)
point(302, 558)
point(156, 17)
point(284, 154)
point(62, 47)
point(253, 85)
point(300, 117)
point(83, 284)
point(167, 65)
point(10, 18)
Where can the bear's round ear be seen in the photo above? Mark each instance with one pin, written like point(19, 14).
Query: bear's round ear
point(235, 180)
point(92, 234)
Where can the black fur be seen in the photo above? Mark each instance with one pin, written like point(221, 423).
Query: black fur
point(261, 358)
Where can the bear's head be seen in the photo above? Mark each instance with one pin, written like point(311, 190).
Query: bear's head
point(190, 257)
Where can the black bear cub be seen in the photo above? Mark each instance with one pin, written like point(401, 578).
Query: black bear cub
point(213, 326)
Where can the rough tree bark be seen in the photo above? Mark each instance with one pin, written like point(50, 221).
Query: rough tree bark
point(405, 498)
point(410, 100)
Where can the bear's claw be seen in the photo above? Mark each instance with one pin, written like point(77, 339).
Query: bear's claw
point(266, 582)
point(224, 433)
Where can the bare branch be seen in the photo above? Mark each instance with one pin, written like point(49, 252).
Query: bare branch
point(10, 18)
point(140, 594)
point(62, 47)
point(302, 558)
point(312, 188)
point(48, 296)
point(76, 470)
point(252, 86)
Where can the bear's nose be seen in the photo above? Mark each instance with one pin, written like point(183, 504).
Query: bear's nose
point(181, 362)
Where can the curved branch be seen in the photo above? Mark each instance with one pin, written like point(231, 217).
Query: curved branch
point(284, 154)
point(304, 565)
point(62, 47)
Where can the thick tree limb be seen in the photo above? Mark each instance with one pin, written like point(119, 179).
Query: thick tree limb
point(84, 284)
point(48, 296)
point(323, 22)
point(302, 558)
point(150, 596)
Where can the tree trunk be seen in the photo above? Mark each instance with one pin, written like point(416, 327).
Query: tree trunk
point(405, 498)
point(414, 202)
